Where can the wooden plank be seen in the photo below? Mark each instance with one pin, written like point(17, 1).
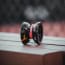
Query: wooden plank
point(54, 59)
point(13, 58)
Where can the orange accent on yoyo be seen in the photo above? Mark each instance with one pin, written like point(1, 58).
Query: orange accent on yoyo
point(24, 38)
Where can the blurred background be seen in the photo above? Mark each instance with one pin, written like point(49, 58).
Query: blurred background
point(13, 10)
point(50, 12)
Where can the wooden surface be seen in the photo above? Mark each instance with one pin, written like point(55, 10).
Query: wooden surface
point(14, 53)
point(11, 58)
point(64, 58)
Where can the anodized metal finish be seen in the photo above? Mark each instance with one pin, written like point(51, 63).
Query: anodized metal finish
point(25, 28)
point(31, 31)
point(37, 32)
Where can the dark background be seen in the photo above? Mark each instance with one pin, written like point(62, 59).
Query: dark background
point(12, 11)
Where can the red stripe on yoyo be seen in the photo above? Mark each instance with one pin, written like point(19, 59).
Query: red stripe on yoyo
point(30, 34)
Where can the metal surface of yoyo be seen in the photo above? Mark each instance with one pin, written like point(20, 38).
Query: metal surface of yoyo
point(37, 32)
point(25, 28)
point(31, 31)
